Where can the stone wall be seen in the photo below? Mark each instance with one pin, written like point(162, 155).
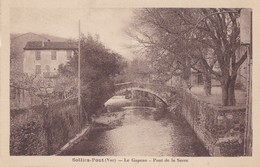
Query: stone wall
point(63, 122)
point(221, 129)
point(43, 130)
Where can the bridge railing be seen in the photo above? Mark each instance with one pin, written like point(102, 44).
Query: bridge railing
point(153, 86)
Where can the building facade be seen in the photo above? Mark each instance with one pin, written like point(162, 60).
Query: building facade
point(44, 57)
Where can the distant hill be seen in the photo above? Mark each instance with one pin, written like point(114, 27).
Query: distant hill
point(14, 36)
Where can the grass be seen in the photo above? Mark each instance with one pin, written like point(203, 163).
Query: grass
point(216, 97)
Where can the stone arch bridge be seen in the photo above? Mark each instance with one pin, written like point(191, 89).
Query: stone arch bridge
point(162, 92)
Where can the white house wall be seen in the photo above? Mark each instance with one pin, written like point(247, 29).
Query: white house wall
point(30, 61)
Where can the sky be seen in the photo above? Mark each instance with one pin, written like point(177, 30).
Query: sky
point(108, 23)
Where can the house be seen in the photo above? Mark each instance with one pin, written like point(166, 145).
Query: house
point(18, 42)
point(44, 57)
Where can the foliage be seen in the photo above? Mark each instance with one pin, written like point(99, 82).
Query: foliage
point(178, 40)
point(31, 83)
point(98, 68)
point(138, 70)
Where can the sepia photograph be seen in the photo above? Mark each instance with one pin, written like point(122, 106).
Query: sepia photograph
point(131, 82)
point(123, 85)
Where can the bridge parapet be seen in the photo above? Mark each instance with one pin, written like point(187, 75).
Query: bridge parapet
point(162, 91)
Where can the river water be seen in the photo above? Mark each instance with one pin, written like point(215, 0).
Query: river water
point(139, 131)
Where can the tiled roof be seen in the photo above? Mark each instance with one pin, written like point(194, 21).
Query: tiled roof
point(50, 45)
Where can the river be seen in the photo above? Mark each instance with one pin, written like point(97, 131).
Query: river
point(139, 131)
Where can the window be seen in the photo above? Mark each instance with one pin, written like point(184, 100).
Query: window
point(38, 69)
point(47, 67)
point(53, 55)
point(38, 55)
point(69, 53)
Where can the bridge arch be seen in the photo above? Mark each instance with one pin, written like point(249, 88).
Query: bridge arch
point(143, 90)
point(164, 93)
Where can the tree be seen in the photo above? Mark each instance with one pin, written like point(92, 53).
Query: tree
point(167, 49)
point(65, 85)
point(199, 39)
point(99, 66)
point(38, 87)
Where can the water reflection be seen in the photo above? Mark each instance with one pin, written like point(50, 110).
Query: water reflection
point(136, 132)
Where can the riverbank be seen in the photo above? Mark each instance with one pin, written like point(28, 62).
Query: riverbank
point(83, 134)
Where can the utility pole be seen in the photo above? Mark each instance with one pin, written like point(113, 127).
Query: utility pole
point(79, 90)
point(79, 100)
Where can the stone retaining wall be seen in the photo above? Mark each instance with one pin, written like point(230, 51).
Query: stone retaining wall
point(221, 129)
point(43, 130)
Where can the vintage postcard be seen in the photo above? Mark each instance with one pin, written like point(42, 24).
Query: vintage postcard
point(120, 83)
